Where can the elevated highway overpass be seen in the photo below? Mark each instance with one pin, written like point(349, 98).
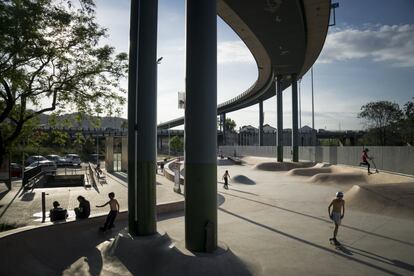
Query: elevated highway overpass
point(284, 37)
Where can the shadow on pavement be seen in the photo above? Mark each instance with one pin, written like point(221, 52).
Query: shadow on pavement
point(337, 253)
point(3, 194)
point(322, 219)
point(378, 258)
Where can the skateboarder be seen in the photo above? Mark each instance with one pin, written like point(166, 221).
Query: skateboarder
point(338, 212)
point(226, 177)
point(114, 209)
point(364, 158)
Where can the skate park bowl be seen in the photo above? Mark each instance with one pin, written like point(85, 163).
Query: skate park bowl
point(282, 166)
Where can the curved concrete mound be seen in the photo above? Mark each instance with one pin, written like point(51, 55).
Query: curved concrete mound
point(310, 171)
point(338, 178)
point(242, 179)
point(393, 199)
point(281, 166)
point(160, 255)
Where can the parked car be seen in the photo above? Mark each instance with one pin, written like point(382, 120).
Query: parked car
point(47, 166)
point(60, 161)
point(16, 170)
point(34, 158)
point(73, 159)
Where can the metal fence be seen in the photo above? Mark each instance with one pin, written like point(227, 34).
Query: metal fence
point(394, 159)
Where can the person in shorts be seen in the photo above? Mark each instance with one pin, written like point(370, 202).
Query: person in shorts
point(114, 209)
point(337, 214)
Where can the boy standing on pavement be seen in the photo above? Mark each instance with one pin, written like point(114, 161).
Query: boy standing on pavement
point(337, 214)
point(114, 209)
point(226, 177)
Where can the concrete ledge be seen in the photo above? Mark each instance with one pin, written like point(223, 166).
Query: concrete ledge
point(97, 219)
point(170, 174)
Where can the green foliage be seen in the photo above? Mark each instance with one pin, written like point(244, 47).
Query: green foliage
point(381, 116)
point(51, 60)
point(176, 144)
point(388, 124)
point(230, 124)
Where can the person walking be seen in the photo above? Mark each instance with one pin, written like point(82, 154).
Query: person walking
point(226, 177)
point(337, 214)
point(114, 209)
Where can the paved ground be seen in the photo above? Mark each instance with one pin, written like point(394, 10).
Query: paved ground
point(277, 224)
point(20, 207)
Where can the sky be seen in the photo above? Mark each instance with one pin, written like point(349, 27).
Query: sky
point(368, 56)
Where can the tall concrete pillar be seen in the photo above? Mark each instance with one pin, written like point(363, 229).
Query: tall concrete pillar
point(224, 128)
point(261, 119)
point(201, 126)
point(142, 117)
point(279, 100)
point(295, 132)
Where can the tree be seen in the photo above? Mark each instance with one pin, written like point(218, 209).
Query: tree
point(51, 60)
point(406, 125)
point(380, 116)
point(176, 144)
point(230, 124)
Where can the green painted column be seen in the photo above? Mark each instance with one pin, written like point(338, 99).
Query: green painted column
point(201, 126)
point(295, 115)
point(132, 90)
point(142, 118)
point(279, 99)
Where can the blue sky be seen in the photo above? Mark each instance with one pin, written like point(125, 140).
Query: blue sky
point(368, 56)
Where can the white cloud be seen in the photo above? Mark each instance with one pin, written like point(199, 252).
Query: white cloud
point(230, 52)
point(381, 43)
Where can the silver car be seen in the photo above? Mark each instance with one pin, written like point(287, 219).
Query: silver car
point(60, 161)
point(73, 159)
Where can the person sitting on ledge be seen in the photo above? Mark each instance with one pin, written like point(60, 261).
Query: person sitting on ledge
point(84, 209)
point(57, 213)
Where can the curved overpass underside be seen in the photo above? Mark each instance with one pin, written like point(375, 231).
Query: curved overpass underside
point(284, 37)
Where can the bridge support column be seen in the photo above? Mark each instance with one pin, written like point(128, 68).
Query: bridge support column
point(201, 126)
point(261, 119)
point(295, 132)
point(279, 99)
point(224, 128)
point(142, 118)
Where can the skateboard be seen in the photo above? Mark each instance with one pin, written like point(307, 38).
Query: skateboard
point(334, 242)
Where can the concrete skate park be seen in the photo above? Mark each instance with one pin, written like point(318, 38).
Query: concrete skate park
point(273, 219)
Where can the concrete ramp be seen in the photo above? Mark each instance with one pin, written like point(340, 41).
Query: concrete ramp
point(282, 166)
point(309, 171)
point(392, 199)
point(338, 178)
point(242, 179)
point(79, 248)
